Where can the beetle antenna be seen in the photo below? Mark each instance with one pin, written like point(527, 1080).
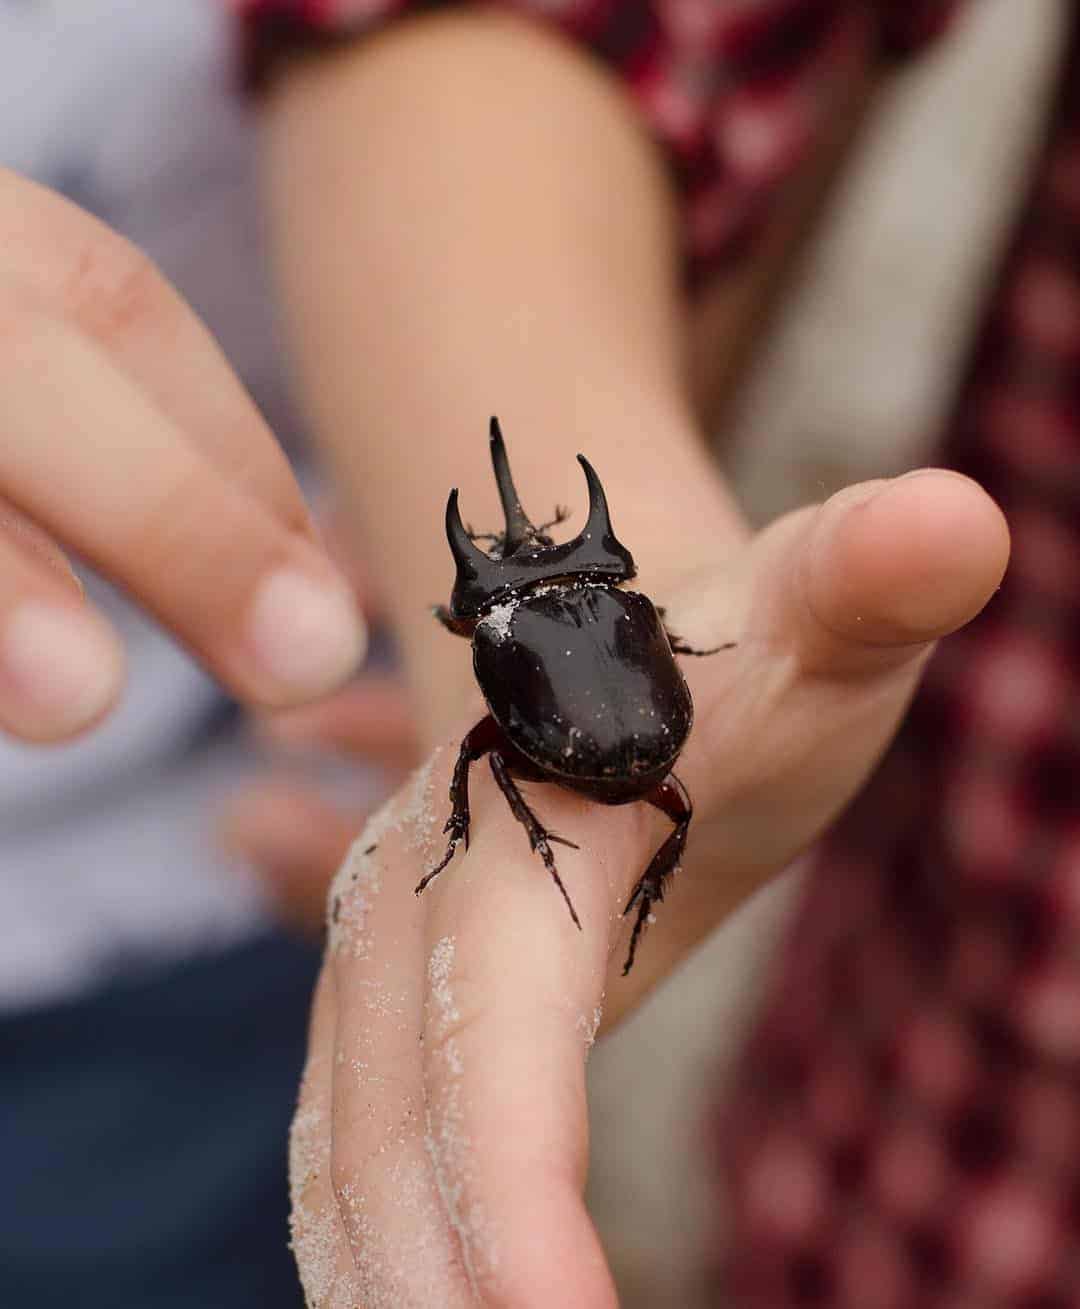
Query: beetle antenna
point(518, 527)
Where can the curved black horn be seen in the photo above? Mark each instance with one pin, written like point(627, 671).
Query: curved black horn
point(469, 558)
point(518, 527)
point(598, 524)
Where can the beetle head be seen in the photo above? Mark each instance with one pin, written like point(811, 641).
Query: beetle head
point(527, 556)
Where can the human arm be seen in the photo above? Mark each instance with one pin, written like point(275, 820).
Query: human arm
point(473, 292)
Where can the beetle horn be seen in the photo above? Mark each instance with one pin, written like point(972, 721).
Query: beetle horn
point(598, 524)
point(470, 559)
point(518, 527)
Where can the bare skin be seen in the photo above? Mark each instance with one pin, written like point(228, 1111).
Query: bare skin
point(448, 248)
point(128, 439)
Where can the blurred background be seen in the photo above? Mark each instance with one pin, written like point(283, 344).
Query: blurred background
point(852, 380)
point(854, 377)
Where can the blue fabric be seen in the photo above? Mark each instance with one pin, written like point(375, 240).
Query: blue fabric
point(143, 1138)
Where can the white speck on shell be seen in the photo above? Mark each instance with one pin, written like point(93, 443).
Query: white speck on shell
point(498, 619)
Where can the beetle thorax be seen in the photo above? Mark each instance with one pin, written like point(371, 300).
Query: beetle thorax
point(524, 555)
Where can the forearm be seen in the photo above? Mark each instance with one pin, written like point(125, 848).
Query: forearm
point(469, 221)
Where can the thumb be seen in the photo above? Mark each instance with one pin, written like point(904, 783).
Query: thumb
point(884, 568)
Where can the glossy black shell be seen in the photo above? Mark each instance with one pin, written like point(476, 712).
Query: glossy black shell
point(582, 680)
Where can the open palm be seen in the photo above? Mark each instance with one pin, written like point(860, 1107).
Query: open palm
point(440, 1147)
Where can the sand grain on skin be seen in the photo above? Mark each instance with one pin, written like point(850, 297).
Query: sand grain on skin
point(406, 1240)
point(447, 1143)
point(316, 1236)
point(358, 881)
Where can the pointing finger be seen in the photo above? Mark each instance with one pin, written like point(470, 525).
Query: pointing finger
point(90, 459)
point(73, 268)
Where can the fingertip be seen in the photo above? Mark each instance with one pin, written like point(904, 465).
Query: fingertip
point(905, 561)
point(306, 634)
point(61, 670)
point(550, 1253)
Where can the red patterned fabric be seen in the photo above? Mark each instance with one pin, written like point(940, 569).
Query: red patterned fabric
point(905, 1131)
point(735, 90)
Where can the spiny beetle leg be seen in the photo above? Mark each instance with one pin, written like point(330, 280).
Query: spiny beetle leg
point(671, 798)
point(496, 538)
point(539, 838)
point(485, 736)
point(561, 515)
point(679, 646)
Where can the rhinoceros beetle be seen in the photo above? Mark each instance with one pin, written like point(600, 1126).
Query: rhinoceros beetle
point(579, 677)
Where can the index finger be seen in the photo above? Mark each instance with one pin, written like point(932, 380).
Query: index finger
point(513, 1000)
point(506, 993)
point(72, 267)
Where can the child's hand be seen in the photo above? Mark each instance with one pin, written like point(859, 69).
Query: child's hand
point(127, 439)
point(440, 1147)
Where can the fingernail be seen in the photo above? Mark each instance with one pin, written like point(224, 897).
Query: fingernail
point(307, 635)
point(61, 667)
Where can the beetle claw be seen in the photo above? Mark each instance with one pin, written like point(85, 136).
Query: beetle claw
point(561, 840)
point(428, 878)
point(539, 836)
point(549, 864)
point(679, 646)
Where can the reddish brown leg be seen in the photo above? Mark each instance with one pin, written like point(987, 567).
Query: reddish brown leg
point(671, 798)
point(539, 836)
point(459, 627)
point(484, 737)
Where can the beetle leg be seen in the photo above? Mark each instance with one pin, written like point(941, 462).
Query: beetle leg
point(484, 736)
point(679, 646)
point(561, 515)
point(672, 798)
point(539, 838)
point(459, 627)
point(496, 538)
